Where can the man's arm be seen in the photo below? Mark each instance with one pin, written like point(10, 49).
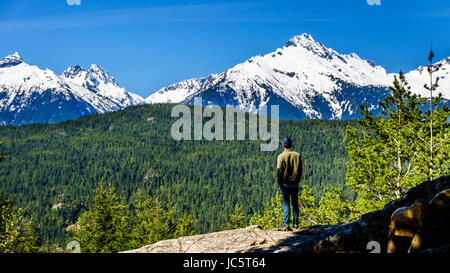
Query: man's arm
point(280, 171)
point(279, 176)
point(300, 168)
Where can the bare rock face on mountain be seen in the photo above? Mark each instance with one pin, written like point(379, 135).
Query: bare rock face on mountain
point(369, 233)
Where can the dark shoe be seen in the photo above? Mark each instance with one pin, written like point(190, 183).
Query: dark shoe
point(285, 227)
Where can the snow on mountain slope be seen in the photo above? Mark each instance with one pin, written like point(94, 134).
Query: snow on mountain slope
point(177, 92)
point(29, 94)
point(100, 82)
point(417, 78)
point(307, 80)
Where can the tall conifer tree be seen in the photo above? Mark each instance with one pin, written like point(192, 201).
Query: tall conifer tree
point(382, 167)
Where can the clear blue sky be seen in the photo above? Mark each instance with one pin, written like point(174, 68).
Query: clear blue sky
point(147, 45)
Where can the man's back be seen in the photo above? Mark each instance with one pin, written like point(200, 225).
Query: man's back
point(289, 165)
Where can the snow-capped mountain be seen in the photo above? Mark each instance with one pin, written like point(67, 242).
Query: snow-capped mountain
point(305, 78)
point(29, 94)
point(178, 92)
point(98, 81)
point(418, 77)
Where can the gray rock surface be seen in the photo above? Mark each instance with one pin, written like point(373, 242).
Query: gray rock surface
point(351, 237)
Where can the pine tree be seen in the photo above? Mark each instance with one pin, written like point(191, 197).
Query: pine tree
point(307, 208)
point(2, 154)
point(185, 226)
point(333, 208)
point(272, 214)
point(104, 227)
point(17, 234)
point(382, 161)
point(432, 87)
point(152, 222)
point(432, 155)
point(237, 218)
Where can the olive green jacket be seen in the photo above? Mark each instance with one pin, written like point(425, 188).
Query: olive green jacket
point(289, 167)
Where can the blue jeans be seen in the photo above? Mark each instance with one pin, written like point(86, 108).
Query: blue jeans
point(289, 193)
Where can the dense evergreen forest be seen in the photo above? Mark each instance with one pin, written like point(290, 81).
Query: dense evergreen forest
point(52, 171)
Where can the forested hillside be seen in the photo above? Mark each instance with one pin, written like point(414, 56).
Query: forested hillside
point(53, 170)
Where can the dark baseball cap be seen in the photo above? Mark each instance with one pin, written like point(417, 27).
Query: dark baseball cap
point(287, 142)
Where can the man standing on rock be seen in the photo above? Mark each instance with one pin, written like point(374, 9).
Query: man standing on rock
point(289, 172)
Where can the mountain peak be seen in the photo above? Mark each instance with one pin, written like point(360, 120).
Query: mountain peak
point(11, 60)
point(303, 40)
point(73, 71)
point(306, 42)
point(96, 67)
point(98, 73)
